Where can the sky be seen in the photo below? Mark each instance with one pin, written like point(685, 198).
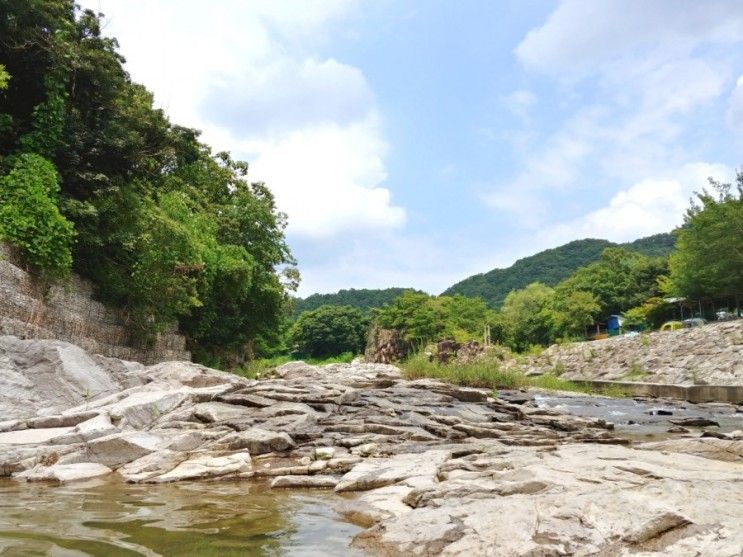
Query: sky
point(415, 143)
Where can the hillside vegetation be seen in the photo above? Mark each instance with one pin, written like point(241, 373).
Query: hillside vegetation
point(95, 179)
point(551, 266)
point(362, 298)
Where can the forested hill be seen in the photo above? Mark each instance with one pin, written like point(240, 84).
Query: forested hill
point(551, 266)
point(362, 298)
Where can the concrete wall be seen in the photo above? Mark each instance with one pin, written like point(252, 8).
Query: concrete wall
point(68, 312)
point(689, 393)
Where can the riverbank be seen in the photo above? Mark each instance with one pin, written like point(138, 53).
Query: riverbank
point(433, 466)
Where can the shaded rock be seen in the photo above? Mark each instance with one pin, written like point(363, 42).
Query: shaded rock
point(50, 376)
point(244, 399)
point(694, 422)
point(120, 448)
point(258, 441)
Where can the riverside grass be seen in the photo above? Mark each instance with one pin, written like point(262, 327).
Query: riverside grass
point(488, 375)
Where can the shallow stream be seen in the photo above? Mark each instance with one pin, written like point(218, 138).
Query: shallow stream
point(111, 519)
point(107, 518)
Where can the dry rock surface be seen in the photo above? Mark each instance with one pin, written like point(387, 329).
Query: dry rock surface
point(429, 468)
point(711, 354)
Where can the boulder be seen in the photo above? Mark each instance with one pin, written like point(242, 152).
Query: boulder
point(120, 448)
point(50, 376)
point(257, 441)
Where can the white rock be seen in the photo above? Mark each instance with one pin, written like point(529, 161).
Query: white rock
point(64, 472)
point(208, 466)
point(323, 453)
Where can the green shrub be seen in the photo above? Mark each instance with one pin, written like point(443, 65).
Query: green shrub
point(29, 215)
point(329, 331)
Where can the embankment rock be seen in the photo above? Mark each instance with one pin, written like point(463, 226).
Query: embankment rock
point(711, 354)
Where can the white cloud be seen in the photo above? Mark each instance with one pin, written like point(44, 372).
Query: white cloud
point(287, 94)
point(249, 75)
point(649, 206)
point(642, 70)
point(579, 37)
point(326, 178)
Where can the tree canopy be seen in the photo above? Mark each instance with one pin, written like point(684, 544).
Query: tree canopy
point(363, 298)
point(166, 229)
point(423, 318)
point(708, 261)
point(329, 331)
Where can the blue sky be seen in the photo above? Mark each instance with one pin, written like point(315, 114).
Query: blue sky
point(416, 143)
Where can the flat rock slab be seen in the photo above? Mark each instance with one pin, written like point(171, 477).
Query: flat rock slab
point(32, 436)
point(379, 472)
point(573, 500)
point(208, 466)
point(325, 482)
point(65, 472)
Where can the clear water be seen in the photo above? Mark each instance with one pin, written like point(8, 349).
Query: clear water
point(112, 519)
point(638, 419)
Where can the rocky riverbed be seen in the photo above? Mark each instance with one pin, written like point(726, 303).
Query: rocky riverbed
point(436, 469)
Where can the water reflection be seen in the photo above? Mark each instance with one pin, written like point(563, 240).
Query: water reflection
point(108, 518)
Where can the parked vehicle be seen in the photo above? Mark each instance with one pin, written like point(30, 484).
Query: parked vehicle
point(694, 322)
point(672, 326)
point(724, 315)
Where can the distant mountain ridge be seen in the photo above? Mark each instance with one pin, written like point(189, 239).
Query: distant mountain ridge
point(551, 266)
point(362, 298)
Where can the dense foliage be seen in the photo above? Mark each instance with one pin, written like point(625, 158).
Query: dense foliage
point(551, 266)
point(537, 314)
point(166, 229)
point(423, 318)
point(619, 280)
point(709, 260)
point(361, 298)
point(329, 331)
point(30, 218)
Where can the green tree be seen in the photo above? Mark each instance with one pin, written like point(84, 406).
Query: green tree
point(416, 315)
point(619, 280)
point(329, 331)
point(167, 230)
point(708, 261)
point(527, 317)
point(29, 216)
point(574, 313)
point(4, 78)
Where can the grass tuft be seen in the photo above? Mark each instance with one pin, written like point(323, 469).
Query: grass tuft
point(486, 374)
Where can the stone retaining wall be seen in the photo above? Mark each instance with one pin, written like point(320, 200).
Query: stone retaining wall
point(68, 312)
point(708, 355)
